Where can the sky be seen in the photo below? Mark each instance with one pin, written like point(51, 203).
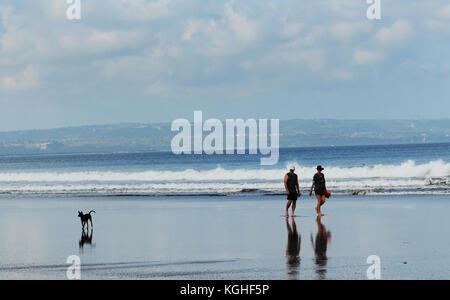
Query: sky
point(158, 60)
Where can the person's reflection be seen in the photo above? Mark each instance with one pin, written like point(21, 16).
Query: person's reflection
point(86, 238)
point(293, 250)
point(320, 248)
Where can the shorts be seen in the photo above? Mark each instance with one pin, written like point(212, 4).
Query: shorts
point(292, 196)
point(320, 192)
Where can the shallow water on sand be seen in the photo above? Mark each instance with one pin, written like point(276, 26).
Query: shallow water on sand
point(225, 238)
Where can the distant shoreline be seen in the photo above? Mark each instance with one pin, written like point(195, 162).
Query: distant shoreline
point(137, 137)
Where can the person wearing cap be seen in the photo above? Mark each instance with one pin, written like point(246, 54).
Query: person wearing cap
point(320, 189)
point(292, 190)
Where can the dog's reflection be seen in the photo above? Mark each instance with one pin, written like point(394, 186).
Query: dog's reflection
point(293, 249)
point(320, 248)
point(86, 238)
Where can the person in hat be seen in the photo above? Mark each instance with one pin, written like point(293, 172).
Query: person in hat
point(320, 189)
point(292, 190)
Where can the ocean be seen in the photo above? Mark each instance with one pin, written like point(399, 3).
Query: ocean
point(162, 216)
point(362, 170)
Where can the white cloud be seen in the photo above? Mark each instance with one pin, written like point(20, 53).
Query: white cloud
point(157, 89)
point(397, 33)
point(361, 57)
point(56, 9)
point(192, 28)
point(347, 30)
point(97, 41)
point(313, 59)
point(203, 42)
point(210, 37)
point(445, 12)
point(143, 10)
point(341, 75)
point(292, 30)
point(438, 26)
point(244, 29)
point(18, 44)
point(27, 79)
point(314, 36)
point(439, 22)
point(9, 19)
point(231, 33)
point(348, 9)
point(190, 49)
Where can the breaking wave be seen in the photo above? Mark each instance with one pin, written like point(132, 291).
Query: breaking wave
point(408, 177)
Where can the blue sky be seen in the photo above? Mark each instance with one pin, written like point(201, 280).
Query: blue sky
point(153, 61)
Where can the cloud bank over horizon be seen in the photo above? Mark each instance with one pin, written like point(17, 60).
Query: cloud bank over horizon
point(157, 60)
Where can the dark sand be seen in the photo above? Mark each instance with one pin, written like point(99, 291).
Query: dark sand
point(226, 238)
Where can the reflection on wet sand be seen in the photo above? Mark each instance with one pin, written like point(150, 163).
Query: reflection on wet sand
point(320, 248)
point(86, 238)
point(293, 250)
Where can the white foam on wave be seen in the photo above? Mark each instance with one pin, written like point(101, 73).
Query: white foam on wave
point(408, 169)
point(367, 186)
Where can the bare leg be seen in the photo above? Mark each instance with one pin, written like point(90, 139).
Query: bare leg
point(287, 207)
point(323, 201)
point(294, 205)
point(319, 204)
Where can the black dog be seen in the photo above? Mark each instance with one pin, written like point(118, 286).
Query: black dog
point(85, 218)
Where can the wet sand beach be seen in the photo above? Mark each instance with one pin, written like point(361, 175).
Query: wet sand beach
point(225, 237)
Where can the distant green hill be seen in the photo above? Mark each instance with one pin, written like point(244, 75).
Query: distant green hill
point(157, 137)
